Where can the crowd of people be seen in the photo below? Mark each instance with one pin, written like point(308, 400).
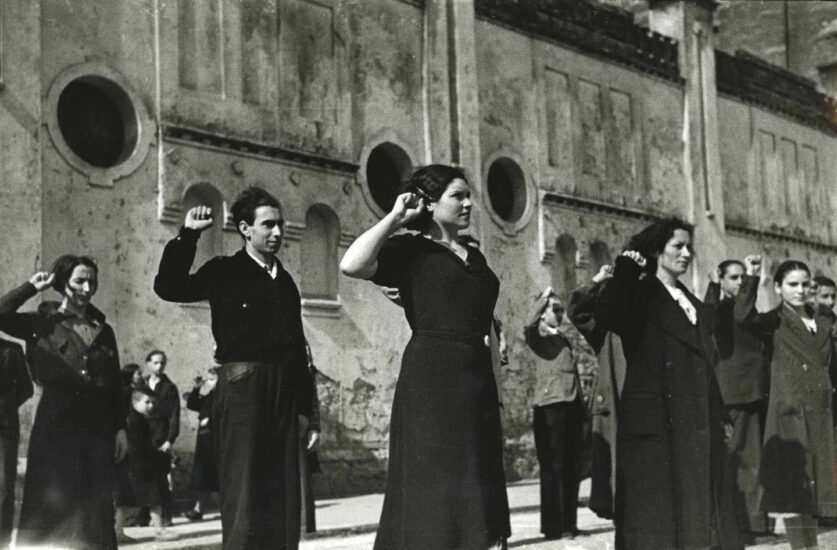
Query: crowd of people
point(709, 421)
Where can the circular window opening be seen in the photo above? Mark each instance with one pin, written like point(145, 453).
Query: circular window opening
point(507, 189)
point(386, 168)
point(97, 121)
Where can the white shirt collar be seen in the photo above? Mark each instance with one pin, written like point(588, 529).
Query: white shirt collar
point(272, 270)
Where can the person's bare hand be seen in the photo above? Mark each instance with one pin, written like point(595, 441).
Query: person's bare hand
point(635, 256)
point(199, 218)
point(407, 207)
point(715, 276)
point(121, 446)
point(605, 273)
point(753, 264)
point(42, 280)
point(312, 441)
point(165, 447)
point(547, 292)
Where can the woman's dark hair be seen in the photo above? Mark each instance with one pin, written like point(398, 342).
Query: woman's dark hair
point(128, 373)
point(64, 266)
point(723, 266)
point(651, 241)
point(152, 353)
point(245, 204)
point(786, 267)
point(429, 183)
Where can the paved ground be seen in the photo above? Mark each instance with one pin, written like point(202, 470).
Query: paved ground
point(349, 524)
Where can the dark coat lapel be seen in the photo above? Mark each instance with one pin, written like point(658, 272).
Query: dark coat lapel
point(672, 319)
point(812, 347)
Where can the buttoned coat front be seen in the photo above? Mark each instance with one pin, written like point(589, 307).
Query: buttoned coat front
point(797, 470)
point(673, 489)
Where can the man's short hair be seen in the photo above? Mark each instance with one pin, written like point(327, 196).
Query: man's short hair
point(723, 266)
point(245, 204)
point(822, 280)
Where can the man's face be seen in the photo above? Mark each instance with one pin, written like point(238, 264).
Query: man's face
point(826, 296)
point(156, 364)
point(553, 312)
point(265, 235)
point(731, 280)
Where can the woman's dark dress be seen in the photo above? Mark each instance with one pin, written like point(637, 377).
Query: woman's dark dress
point(445, 484)
point(68, 490)
point(204, 470)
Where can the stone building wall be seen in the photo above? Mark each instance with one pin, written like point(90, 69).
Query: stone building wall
point(572, 139)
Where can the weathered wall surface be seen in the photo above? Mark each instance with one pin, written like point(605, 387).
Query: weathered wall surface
point(295, 95)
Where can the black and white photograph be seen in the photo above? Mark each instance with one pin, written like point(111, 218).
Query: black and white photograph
point(418, 274)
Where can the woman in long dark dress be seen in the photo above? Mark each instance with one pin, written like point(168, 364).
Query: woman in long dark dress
point(673, 483)
point(78, 434)
point(445, 484)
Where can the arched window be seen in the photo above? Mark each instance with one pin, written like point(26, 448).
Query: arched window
point(318, 277)
point(599, 256)
point(563, 266)
point(211, 242)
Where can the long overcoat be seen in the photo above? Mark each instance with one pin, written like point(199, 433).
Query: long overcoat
point(797, 469)
point(673, 488)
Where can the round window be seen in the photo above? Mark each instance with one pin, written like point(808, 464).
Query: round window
point(386, 168)
point(97, 121)
point(506, 189)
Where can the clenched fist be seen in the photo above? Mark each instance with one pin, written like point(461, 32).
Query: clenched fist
point(42, 280)
point(199, 218)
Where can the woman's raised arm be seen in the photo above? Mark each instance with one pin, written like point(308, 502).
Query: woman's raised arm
point(361, 259)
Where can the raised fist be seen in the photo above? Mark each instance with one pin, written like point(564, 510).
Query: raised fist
point(753, 264)
point(199, 218)
point(635, 256)
point(715, 276)
point(407, 207)
point(605, 273)
point(42, 280)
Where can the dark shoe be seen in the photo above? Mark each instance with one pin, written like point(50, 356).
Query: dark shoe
point(193, 515)
point(167, 522)
point(551, 535)
point(576, 532)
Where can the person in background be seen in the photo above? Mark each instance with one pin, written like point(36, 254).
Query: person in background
point(204, 480)
point(743, 379)
point(164, 422)
point(146, 484)
point(607, 387)
point(308, 460)
point(15, 389)
point(79, 430)
point(797, 469)
point(826, 296)
point(559, 415)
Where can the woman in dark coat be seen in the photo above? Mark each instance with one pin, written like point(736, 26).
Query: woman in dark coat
point(204, 480)
point(78, 434)
point(797, 468)
point(445, 481)
point(673, 489)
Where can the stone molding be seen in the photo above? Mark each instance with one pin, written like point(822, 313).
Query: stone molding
point(600, 30)
point(756, 81)
point(251, 149)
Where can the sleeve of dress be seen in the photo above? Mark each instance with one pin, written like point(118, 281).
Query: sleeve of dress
point(580, 313)
point(393, 260)
point(194, 400)
point(23, 383)
point(618, 307)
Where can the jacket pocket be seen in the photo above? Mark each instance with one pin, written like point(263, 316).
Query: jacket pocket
point(641, 416)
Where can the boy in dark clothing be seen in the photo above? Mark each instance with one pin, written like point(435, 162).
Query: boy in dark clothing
point(146, 484)
point(164, 420)
point(15, 389)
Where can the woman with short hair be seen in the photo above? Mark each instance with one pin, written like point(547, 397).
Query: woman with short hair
point(79, 430)
point(445, 482)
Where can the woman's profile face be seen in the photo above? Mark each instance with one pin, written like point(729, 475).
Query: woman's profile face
point(81, 286)
point(677, 253)
point(794, 288)
point(453, 209)
point(136, 378)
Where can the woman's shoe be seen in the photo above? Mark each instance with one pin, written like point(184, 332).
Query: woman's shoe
point(193, 515)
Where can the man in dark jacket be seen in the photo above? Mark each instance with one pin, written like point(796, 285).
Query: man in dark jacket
point(558, 416)
point(164, 422)
point(743, 379)
point(263, 382)
point(15, 389)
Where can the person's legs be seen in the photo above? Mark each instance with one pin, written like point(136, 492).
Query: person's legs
point(8, 476)
point(571, 460)
point(549, 424)
point(802, 532)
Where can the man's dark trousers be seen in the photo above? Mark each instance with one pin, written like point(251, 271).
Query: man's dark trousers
point(8, 476)
point(256, 439)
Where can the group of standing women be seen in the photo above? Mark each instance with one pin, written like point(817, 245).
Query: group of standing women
point(673, 483)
